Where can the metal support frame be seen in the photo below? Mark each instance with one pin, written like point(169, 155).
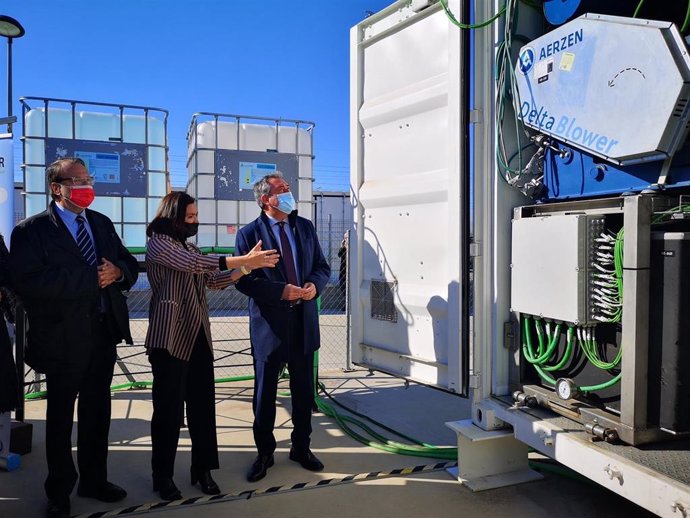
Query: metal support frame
point(9, 82)
point(636, 262)
point(631, 425)
point(490, 459)
point(652, 490)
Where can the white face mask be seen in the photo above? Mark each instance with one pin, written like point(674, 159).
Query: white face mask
point(286, 202)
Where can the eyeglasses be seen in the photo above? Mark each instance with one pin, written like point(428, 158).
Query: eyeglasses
point(88, 180)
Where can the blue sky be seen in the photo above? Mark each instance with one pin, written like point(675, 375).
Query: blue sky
point(270, 58)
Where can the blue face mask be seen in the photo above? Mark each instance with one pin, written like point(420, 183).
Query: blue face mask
point(286, 203)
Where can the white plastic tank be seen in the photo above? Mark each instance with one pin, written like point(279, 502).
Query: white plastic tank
point(133, 132)
point(274, 144)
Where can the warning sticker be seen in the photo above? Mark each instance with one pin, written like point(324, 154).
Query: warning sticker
point(567, 60)
point(542, 69)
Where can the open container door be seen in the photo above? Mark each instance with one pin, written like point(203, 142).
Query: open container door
point(409, 269)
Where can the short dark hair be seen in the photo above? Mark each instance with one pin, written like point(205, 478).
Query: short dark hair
point(171, 214)
point(55, 169)
point(263, 187)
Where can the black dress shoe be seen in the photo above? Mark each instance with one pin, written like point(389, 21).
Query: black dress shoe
point(306, 459)
point(208, 485)
point(260, 467)
point(106, 492)
point(166, 488)
point(56, 510)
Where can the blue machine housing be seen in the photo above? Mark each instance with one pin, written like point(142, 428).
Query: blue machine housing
point(558, 12)
point(581, 175)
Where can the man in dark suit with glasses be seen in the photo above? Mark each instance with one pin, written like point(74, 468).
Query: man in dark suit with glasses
point(69, 267)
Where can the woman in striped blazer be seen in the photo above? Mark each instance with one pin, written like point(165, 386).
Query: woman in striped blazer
point(178, 340)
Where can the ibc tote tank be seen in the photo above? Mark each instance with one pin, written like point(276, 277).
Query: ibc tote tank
point(226, 154)
point(125, 147)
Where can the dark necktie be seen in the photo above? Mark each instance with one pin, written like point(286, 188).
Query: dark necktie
point(288, 259)
point(84, 242)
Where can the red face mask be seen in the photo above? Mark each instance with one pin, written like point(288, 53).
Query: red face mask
point(82, 195)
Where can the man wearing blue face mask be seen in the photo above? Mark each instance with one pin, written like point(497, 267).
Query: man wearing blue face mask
point(284, 319)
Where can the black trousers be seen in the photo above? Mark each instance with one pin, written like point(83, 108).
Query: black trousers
point(300, 366)
point(9, 391)
point(176, 382)
point(93, 416)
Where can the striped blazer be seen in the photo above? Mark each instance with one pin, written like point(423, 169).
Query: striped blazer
point(178, 277)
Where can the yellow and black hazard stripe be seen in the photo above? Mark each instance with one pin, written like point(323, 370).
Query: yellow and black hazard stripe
point(246, 495)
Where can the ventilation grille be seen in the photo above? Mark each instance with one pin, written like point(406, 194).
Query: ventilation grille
point(382, 303)
point(680, 107)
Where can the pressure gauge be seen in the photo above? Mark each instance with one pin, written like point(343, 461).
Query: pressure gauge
point(566, 389)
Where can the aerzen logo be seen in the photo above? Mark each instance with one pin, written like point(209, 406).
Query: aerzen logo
point(526, 60)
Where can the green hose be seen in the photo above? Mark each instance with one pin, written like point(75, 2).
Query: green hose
point(142, 385)
point(544, 352)
point(587, 346)
point(637, 9)
point(567, 355)
point(455, 22)
point(378, 441)
point(602, 386)
point(380, 425)
point(687, 19)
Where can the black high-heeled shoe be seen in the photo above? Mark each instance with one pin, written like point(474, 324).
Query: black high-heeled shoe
point(166, 488)
point(208, 485)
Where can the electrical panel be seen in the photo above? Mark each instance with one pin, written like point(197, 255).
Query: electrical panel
point(552, 266)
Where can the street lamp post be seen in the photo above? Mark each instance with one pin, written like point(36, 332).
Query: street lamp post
point(10, 29)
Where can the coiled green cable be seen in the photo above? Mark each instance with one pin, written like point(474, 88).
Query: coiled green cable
point(567, 354)
point(417, 449)
point(528, 349)
point(589, 348)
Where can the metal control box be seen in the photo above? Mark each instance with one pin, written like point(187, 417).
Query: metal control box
point(549, 266)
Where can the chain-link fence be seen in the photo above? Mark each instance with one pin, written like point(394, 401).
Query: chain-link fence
point(334, 319)
point(229, 317)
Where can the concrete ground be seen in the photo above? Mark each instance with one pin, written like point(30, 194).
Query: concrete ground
point(417, 411)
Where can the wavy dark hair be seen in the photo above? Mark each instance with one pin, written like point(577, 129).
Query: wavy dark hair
point(169, 219)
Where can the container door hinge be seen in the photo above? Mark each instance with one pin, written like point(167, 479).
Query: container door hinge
point(509, 335)
point(475, 251)
point(682, 508)
point(420, 5)
point(475, 381)
point(475, 116)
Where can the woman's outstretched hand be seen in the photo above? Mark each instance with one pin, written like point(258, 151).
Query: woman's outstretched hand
point(257, 258)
